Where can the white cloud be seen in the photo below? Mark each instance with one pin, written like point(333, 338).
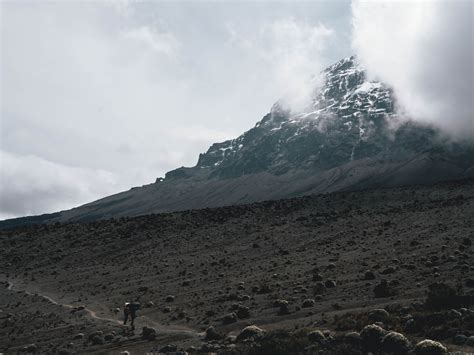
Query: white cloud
point(140, 88)
point(160, 42)
point(294, 52)
point(424, 50)
point(32, 185)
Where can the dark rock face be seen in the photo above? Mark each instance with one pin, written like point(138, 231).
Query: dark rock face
point(343, 140)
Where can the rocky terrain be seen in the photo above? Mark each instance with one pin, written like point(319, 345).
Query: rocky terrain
point(342, 273)
point(350, 137)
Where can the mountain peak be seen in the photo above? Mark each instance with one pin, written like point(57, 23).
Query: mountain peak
point(345, 111)
point(343, 140)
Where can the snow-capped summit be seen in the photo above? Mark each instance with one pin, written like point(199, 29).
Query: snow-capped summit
point(344, 122)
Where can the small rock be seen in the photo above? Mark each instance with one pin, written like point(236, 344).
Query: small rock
point(470, 283)
point(346, 324)
point(211, 334)
point(229, 318)
point(379, 315)
point(459, 339)
point(243, 312)
point(430, 347)
point(169, 349)
point(330, 284)
point(383, 290)
point(389, 270)
point(97, 339)
point(369, 275)
point(317, 277)
point(453, 314)
point(470, 341)
point(284, 309)
point(395, 343)
point(250, 332)
point(279, 303)
point(352, 337)
point(316, 336)
point(31, 348)
point(371, 337)
point(308, 303)
point(149, 333)
point(319, 288)
point(169, 298)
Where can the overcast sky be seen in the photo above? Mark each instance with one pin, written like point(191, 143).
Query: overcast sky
point(97, 97)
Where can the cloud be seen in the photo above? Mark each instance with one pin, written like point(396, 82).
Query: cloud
point(32, 185)
point(294, 52)
point(160, 42)
point(424, 51)
point(139, 88)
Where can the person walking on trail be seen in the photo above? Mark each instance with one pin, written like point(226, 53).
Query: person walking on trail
point(130, 310)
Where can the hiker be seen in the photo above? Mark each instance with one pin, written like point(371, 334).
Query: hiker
point(130, 310)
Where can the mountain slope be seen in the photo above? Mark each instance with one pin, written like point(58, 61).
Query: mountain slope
point(344, 140)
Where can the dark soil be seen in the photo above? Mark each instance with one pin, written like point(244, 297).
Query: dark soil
point(333, 258)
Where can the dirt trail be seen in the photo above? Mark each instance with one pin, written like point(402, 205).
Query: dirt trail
point(163, 329)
